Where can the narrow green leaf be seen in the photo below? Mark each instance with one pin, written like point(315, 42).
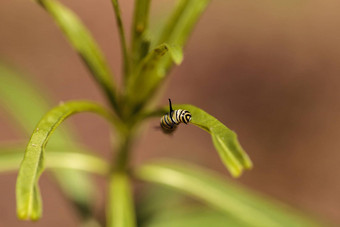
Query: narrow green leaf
point(81, 39)
point(242, 205)
point(28, 205)
point(150, 74)
point(126, 61)
point(156, 200)
point(77, 161)
point(181, 22)
point(179, 26)
point(26, 103)
point(11, 157)
point(175, 34)
point(120, 205)
point(22, 100)
point(140, 43)
point(192, 217)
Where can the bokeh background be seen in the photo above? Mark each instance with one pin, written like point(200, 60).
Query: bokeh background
point(269, 70)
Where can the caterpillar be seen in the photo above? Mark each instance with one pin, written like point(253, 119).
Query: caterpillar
point(170, 120)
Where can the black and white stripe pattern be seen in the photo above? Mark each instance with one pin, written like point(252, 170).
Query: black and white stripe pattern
point(170, 121)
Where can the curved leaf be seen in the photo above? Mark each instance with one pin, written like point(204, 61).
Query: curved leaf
point(28, 197)
point(225, 140)
point(242, 205)
point(81, 39)
point(27, 103)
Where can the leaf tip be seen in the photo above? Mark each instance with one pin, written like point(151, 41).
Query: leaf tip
point(235, 174)
point(24, 215)
point(35, 217)
point(176, 53)
point(248, 164)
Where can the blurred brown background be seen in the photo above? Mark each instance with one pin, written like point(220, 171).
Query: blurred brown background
point(268, 69)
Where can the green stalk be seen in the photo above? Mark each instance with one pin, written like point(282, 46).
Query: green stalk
point(120, 210)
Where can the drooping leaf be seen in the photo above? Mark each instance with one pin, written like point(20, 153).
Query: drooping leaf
point(225, 140)
point(121, 210)
point(82, 41)
point(11, 156)
point(242, 205)
point(26, 104)
point(28, 198)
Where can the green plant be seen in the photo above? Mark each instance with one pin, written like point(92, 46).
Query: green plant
point(146, 63)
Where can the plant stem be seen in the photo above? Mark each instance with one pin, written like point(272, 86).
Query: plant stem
point(120, 205)
point(123, 151)
point(120, 210)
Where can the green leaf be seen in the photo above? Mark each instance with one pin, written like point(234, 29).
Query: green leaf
point(150, 74)
point(11, 156)
point(22, 100)
point(181, 22)
point(179, 26)
point(155, 201)
point(242, 205)
point(126, 61)
point(140, 43)
point(81, 39)
point(175, 34)
point(225, 141)
point(192, 217)
point(28, 198)
point(121, 210)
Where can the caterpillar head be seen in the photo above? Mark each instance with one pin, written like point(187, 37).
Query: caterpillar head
point(187, 117)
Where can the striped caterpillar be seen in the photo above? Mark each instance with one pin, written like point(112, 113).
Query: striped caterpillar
point(170, 120)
